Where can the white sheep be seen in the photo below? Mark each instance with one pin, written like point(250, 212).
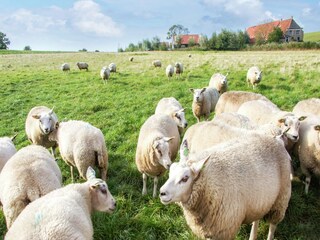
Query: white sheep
point(178, 68)
point(40, 122)
point(156, 63)
point(81, 145)
point(28, 175)
point(173, 108)
point(254, 76)
point(169, 71)
point(235, 119)
point(64, 213)
point(105, 74)
point(157, 147)
point(307, 149)
point(219, 82)
point(233, 183)
point(308, 106)
point(231, 101)
point(65, 67)
point(204, 101)
point(7, 150)
point(83, 65)
point(113, 67)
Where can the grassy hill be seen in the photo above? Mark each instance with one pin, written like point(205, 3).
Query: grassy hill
point(121, 106)
point(312, 37)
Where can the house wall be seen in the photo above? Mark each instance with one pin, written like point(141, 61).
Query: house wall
point(294, 35)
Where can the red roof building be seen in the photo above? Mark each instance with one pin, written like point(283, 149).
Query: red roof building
point(291, 30)
point(186, 38)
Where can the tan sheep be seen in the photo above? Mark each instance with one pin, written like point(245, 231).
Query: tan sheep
point(219, 82)
point(105, 74)
point(254, 76)
point(178, 69)
point(157, 147)
point(308, 106)
point(156, 63)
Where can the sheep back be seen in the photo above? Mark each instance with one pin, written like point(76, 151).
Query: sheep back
point(307, 106)
point(7, 150)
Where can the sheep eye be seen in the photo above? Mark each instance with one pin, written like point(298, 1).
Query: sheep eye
point(184, 179)
point(178, 117)
point(160, 152)
point(286, 124)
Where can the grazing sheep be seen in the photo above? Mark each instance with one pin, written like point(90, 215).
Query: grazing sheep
point(7, 150)
point(64, 213)
point(231, 101)
point(157, 147)
point(105, 74)
point(308, 106)
point(178, 68)
point(81, 145)
point(235, 119)
point(113, 67)
point(131, 59)
point(254, 76)
point(219, 82)
point(307, 149)
point(65, 67)
point(40, 122)
point(233, 183)
point(83, 65)
point(169, 71)
point(156, 63)
point(189, 55)
point(204, 101)
point(171, 106)
point(28, 175)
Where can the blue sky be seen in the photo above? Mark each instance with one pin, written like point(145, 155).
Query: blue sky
point(106, 25)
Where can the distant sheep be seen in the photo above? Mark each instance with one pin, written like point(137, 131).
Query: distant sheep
point(219, 82)
point(113, 67)
point(83, 65)
point(29, 174)
point(308, 106)
point(217, 197)
point(64, 213)
point(105, 74)
point(178, 68)
point(157, 147)
point(204, 102)
point(40, 122)
point(7, 150)
point(254, 76)
point(131, 59)
point(169, 71)
point(156, 63)
point(65, 67)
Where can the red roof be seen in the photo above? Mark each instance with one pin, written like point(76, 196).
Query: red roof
point(185, 38)
point(267, 28)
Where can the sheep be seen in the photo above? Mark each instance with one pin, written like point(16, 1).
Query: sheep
point(173, 108)
point(308, 106)
point(113, 67)
point(307, 149)
point(28, 175)
point(204, 102)
point(131, 59)
point(254, 76)
point(169, 71)
point(219, 82)
point(233, 183)
point(105, 74)
point(157, 147)
point(178, 68)
point(231, 101)
point(64, 213)
point(81, 145)
point(235, 119)
point(7, 150)
point(156, 63)
point(65, 67)
point(83, 65)
point(262, 112)
point(40, 122)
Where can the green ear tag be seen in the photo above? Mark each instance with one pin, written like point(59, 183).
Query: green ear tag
point(186, 152)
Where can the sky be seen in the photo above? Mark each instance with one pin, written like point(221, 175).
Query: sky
point(106, 25)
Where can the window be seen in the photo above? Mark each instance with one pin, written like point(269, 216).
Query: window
point(290, 32)
point(297, 31)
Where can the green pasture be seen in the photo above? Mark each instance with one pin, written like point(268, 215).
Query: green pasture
point(120, 107)
point(312, 37)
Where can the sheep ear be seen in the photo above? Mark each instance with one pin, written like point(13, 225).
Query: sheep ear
point(182, 110)
point(302, 118)
point(317, 127)
point(184, 151)
point(91, 174)
point(51, 111)
point(203, 89)
point(281, 120)
point(155, 144)
point(168, 139)
point(191, 90)
point(226, 75)
point(36, 116)
point(196, 166)
point(12, 138)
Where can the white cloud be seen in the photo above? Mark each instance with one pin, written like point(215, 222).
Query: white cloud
point(88, 18)
point(269, 15)
point(306, 11)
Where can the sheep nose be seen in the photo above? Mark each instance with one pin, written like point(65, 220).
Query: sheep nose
point(168, 166)
point(163, 193)
point(186, 125)
point(295, 138)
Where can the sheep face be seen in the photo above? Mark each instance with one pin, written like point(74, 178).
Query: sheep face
point(46, 122)
point(102, 200)
point(223, 81)
point(292, 123)
point(258, 76)
point(182, 175)
point(179, 118)
point(162, 151)
point(198, 95)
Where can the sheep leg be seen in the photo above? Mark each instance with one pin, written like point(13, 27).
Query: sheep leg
point(53, 152)
point(155, 186)
point(254, 230)
point(12, 211)
point(144, 189)
point(71, 171)
point(307, 184)
point(272, 229)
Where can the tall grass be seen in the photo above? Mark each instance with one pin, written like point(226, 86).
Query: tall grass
point(120, 107)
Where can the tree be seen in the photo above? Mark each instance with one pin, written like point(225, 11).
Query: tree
point(155, 43)
point(175, 30)
point(276, 35)
point(27, 48)
point(204, 42)
point(191, 42)
point(4, 41)
point(178, 39)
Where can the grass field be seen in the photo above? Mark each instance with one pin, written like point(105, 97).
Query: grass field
point(120, 107)
point(312, 37)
